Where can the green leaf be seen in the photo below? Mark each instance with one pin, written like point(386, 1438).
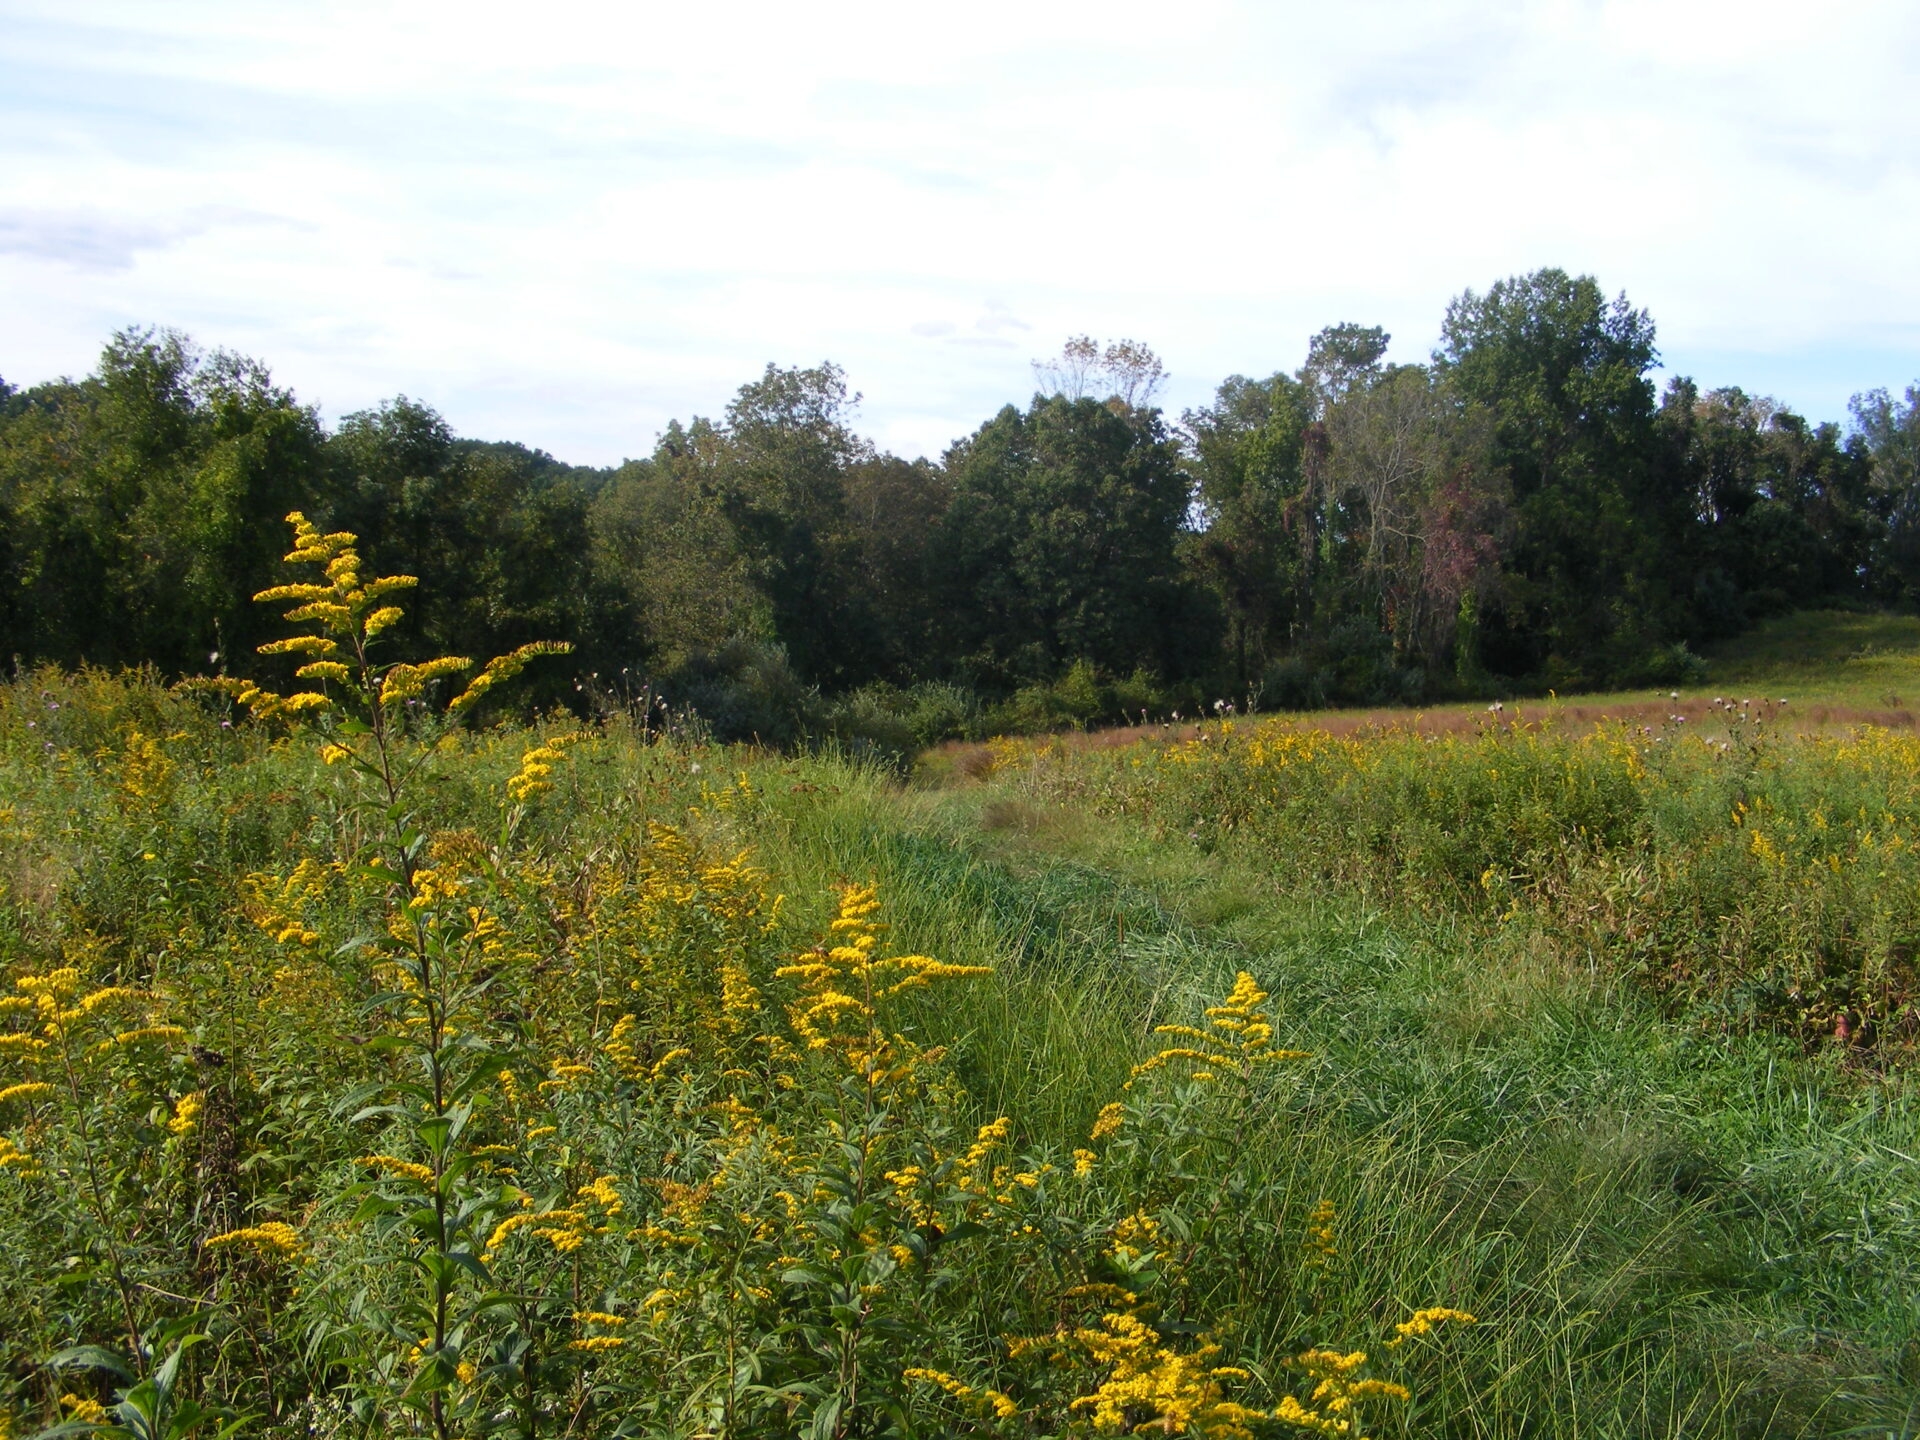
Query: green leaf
point(92, 1357)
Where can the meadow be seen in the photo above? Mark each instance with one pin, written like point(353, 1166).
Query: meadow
point(367, 1071)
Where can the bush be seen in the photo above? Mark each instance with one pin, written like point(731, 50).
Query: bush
point(745, 690)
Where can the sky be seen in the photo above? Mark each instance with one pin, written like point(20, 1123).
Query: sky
point(566, 224)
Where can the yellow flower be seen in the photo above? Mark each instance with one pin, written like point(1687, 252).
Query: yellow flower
point(1421, 1322)
point(12, 1157)
point(502, 668)
point(1237, 1040)
point(145, 1032)
point(186, 1112)
point(1181, 1392)
point(602, 1193)
point(273, 1239)
point(1320, 1240)
point(1107, 1123)
point(83, 1410)
point(940, 1378)
point(393, 1165)
point(31, 1090)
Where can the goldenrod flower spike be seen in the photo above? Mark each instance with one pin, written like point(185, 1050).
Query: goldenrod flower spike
point(504, 667)
point(842, 985)
point(1237, 1040)
point(1422, 1322)
point(273, 1240)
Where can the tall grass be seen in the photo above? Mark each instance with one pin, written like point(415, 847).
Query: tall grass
point(1670, 1211)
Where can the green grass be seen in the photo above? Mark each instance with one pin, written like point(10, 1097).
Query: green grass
point(1834, 657)
point(1669, 1224)
point(1667, 1232)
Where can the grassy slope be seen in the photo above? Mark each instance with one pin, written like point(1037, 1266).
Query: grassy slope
point(1666, 1233)
point(1830, 657)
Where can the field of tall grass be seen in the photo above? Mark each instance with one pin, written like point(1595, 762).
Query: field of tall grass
point(365, 1074)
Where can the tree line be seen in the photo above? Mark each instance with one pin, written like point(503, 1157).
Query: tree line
point(1522, 511)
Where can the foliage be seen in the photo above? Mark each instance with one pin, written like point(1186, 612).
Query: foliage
point(1516, 513)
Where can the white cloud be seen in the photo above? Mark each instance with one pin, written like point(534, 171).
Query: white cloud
point(570, 225)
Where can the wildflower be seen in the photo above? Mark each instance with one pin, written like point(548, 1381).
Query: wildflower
point(1083, 1163)
point(602, 1193)
point(1182, 1393)
point(31, 1090)
point(84, 1411)
point(597, 1342)
point(537, 764)
point(1319, 1243)
point(940, 1378)
point(145, 1032)
point(273, 1239)
point(1421, 1322)
point(1134, 1235)
point(503, 668)
point(1335, 1390)
point(1107, 1123)
point(842, 984)
point(1238, 1038)
point(393, 1165)
point(467, 1371)
point(186, 1113)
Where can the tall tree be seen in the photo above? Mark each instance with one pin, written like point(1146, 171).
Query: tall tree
point(141, 504)
point(1890, 431)
point(1253, 449)
point(1563, 374)
point(1061, 544)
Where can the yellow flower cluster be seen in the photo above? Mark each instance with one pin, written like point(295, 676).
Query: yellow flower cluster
point(1001, 1405)
point(273, 1239)
point(21, 1162)
point(1320, 1245)
point(1176, 1393)
point(394, 1165)
point(1237, 1040)
point(1330, 1410)
point(186, 1115)
point(597, 1319)
point(348, 613)
point(146, 771)
point(277, 905)
point(81, 1410)
point(1135, 1235)
point(844, 985)
point(1422, 1322)
point(536, 766)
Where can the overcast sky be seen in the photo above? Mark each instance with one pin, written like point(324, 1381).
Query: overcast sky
point(567, 223)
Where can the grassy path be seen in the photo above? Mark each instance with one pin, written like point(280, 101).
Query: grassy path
point(1668, 1232)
